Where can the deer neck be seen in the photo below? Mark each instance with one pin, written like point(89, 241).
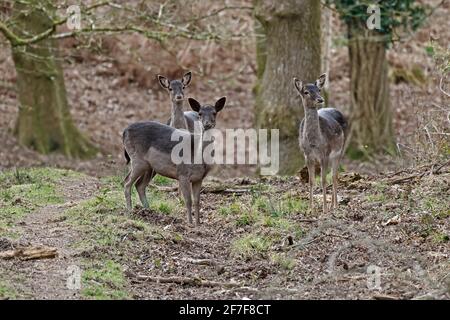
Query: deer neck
point(177, 119)
point(312, 128)
point(199, 143)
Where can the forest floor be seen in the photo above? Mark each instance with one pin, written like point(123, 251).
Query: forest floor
point(389, 238)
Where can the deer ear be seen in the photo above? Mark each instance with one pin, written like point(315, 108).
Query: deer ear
point(164, 82)
point(321, 81)
point(298, 85)
point(187, 79)
point(195, 105)
point(220, 104)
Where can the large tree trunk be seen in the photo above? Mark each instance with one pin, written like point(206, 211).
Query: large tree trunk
point(371, 114)
point(44, 120)
point(288, 46)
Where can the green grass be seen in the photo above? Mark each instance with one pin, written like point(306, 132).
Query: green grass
point(245, 219)
point(232, 209)
point(161, 202)
point(251, 245)
point(282, 261)
point(162, 181)
point(105, 222)
point(286, 206)
point(438, 208)
point(26, 190)
point(107, 228)
point(439, 237)
point(318, 179)
point(100, 219)
point(104, 281)
point(377, 197)
point(6, 291)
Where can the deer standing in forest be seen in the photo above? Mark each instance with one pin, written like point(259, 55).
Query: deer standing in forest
point(322, 136)
point(150, 145)
point(178, 118)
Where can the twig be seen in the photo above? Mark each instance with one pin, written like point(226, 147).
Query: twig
point(202, 262)
point(384, 297)
point(436, 171)
point(441, 87)
point(189, 281)
point(304, 244)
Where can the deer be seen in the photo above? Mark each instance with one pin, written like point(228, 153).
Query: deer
point(179, 119)
point(149, 146)
point(322, 137)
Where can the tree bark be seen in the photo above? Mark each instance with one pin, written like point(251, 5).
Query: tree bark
point(371, 114)
point(288, 46)
point(44, 121)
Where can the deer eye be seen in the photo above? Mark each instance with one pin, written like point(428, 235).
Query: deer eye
point(170, 89)
point(306, 92)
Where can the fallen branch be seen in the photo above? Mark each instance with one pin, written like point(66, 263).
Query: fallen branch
point(384, 297)
point(189, 281)
point(305, 243)
point(31, 253)
point(404, 179)
point(436, 171)
point(201, 262)
point(229, 191)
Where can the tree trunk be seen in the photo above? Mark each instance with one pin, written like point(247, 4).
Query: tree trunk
point(288, 46)
point(44, 121)
point(371, 114)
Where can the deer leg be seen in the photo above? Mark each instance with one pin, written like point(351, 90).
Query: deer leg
point(142, 184)
point(335, 172)
point(311, 176)
point(137, 171)
point(186, 190)
point(323, 172)
point(196, 188)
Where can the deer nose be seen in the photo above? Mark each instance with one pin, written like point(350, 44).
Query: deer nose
point(178, 97)
point(208, 125)
point(320, 100)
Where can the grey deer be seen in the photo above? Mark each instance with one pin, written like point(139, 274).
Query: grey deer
point(322, 137)
point(178, 118)
point(150, 146)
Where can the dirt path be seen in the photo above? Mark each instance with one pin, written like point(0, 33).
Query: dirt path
point(47, 278)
